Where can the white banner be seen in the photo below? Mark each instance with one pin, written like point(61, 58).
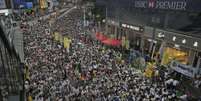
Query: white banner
point(183, 69)
point(2, 4)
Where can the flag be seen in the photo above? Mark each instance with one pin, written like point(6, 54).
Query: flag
point(127, 44)
point(66, 42)
point(30, 98)
point(27, 72)
point(149, 70)
point(165, 58)
point(56, 36)
point(43, 4)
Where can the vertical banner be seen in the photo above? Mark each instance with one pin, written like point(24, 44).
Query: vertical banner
point(65, 42)
point(43, 4)
point(127, 44)
point(2, 4)
point(165, 58)
point(149, 70)
point(56, 36)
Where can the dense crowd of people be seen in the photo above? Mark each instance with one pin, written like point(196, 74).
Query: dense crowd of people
point(88, 71)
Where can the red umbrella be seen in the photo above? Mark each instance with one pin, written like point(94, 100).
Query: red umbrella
point(102, 37)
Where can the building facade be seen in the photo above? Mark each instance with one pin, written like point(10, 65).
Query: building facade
point(166, 29)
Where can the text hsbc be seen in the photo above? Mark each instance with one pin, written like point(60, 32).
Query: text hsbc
point(176, 5)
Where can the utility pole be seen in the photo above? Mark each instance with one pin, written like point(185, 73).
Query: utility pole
point(84, 16)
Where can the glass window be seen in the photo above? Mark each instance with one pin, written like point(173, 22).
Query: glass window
point(174, 54)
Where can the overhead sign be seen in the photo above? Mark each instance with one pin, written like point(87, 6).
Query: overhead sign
point(161, 4)
point(136, 28)
point(112, 22)
point(2, 4)
point(183, 69)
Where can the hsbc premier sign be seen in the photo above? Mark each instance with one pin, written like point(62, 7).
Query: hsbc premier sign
point(161, 4)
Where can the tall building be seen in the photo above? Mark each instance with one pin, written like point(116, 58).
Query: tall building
point(169, 28)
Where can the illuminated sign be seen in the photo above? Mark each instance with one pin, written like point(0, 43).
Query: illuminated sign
point(159, 4)
point(112, 22)
point(195, 44)
point(136, 28)
point(161, 35)
point(183, 69)
point(43, 4)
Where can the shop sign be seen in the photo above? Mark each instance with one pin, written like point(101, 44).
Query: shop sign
point(183, 69)
point(112, 22)
point(159, 4)
point(2, 4)
point(136, 28)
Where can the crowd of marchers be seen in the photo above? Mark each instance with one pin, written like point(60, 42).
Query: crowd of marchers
point(87, 71)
